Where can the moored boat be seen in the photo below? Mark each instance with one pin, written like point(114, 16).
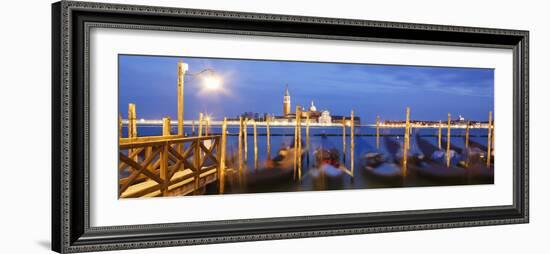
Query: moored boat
point(434, 166)
point(379, 170)
point(329, 173)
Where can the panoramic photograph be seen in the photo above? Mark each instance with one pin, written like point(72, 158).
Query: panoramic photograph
point(206, 126)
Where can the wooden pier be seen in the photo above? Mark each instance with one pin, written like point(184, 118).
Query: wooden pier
point(165, 171)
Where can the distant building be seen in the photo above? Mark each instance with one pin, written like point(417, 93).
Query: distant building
point(325, 118)
point(289, 117)
point(286, 103)
point(315, 116)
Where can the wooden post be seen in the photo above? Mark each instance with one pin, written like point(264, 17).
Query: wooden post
point(200, 125)
point(493, 140)
point(299, 114)
point(207, 126)
point(268, 137)
point(132, 129)
point(197, 162)
point(467, 141)
point(406, 141)
point(448, 151)
point(255, 144)
point(377, 132)
point(193, 128)
point(296, 142)
point(352, 142)
point(307, 131)
point(245, 134)
point(164, 169)
point(439, 135)
point(222, 151)
point(344, 139)
point(119, 125)
point(411, 133)
point(240, 152)
point(166, 126)
point(182, 68)
point(489, 138)
point(467, 144)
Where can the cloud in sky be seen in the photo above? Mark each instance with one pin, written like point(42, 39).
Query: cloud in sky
point(258, 86)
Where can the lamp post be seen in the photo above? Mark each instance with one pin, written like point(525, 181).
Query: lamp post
point(210, 79)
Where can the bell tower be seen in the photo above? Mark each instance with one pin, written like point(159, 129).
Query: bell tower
point(286, 102)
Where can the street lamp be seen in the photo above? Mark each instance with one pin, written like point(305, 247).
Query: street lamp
point(211, 80)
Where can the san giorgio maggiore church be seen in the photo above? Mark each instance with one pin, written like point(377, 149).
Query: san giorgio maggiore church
point(315, 116)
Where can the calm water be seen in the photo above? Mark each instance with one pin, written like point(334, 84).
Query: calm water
point(329, 138)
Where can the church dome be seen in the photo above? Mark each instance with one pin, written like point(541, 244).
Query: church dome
point(312, 108)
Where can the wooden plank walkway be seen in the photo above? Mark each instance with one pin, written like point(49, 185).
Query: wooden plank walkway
point(168, 165)
point(181, 183)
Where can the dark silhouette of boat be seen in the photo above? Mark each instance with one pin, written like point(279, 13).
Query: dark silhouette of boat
point(378, 168)
point(477, 164)
point(432, 167)
point(478, 150)
point(329, 173)
point(474, 143)
point(453, 146)
point(395, 148)
point(274, 172)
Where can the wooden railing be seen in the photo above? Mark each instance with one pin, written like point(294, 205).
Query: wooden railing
point(167, 165)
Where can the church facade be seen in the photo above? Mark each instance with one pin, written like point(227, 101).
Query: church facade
point(315, 116)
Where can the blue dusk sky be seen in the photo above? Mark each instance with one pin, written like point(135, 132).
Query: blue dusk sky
point(258, 86)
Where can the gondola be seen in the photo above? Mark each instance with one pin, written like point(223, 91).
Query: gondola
point(434, 168)
point(276, 171)
point(453, 147)
point(480, 150)
point(477, 164)
point(329, 172)
point(378, 169)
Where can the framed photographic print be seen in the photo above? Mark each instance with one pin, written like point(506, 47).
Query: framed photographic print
point(181, 126)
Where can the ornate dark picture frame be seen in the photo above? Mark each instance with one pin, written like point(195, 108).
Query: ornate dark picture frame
point(71, 22)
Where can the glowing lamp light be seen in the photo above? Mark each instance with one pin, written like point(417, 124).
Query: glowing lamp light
point(212, 82)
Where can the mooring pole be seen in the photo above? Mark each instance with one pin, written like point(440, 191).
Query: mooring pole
point(200, 124)
point(439, 135)
point(268, 137)
point(240, 152)
point(222, 151)
point(307, 131)
point(207, 126)
point(255, 144)
point(448, 151)
point(489, 138)
point(307, 137)
point(467, 141)
point(344, 139)
point(406, 141)
point(245, 137)
point(467, 144)
point(377, 132)
point(299, 113)
point(296, 142)
point(352, 141)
